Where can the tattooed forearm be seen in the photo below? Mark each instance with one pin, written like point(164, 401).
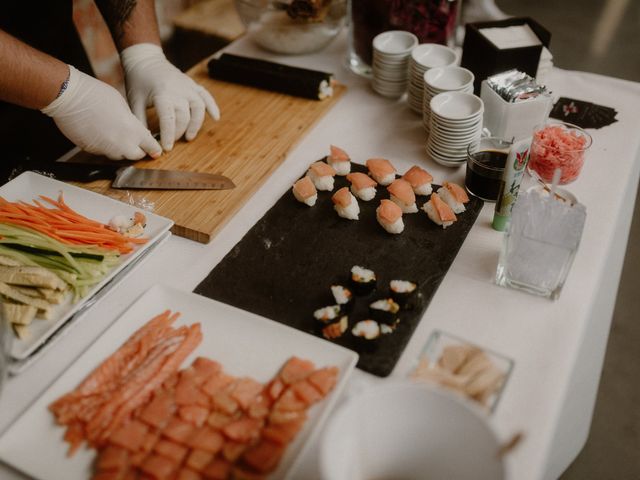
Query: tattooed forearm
point(116, 13)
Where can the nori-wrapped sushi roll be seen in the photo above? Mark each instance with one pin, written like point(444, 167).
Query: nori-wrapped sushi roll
point(336, 329)
point(367, 335)
point(384, 310)
point(403, 292)
point(363, 280)
point(327, 314)
point(343, 297)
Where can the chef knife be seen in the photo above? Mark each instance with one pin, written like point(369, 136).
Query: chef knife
point(128, 176)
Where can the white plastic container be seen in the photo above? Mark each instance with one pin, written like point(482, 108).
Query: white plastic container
point(508, 120)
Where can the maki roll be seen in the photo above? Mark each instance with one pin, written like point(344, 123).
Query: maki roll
point(439, 212)
point(321, 175)
point(402, 291)
point(419, 179)
point(402, 195)
point(346, 204)
point(336, 329)
point(342, 296)
point(384, 310)
point(305, 191)
point(389, 215)
point(386, 329)
point(366, 334)
point(363, 280)
point(454, 196)
point(381, 170)
point(362, 186)
point(326, 314)
point(339, 160)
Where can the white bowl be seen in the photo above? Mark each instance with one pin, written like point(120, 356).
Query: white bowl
point(456, 106)
point(431, 55)
point(395, 43)
point(449, 78)
point(409, 431)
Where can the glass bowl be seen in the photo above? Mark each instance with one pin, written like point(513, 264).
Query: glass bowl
point(270, 25)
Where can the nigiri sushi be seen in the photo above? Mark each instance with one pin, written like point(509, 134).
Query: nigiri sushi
point(346, 204)
point(321, 175)
point(305, 191)
point(381, 170)
point(438, 211)
point(402, 195)
point(419, 179)
point(362, 186)
point(339, 160)
point(389, 215)
point(454, 196)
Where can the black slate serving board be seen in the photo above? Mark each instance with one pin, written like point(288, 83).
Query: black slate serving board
point(284, 266)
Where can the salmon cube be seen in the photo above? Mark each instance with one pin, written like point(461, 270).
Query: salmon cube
point(324, 379)
point(264, 456)
point(275, 389)
point(108, 475)
point(223, 402)
point(217, 470)
point(178, 430)
point(206, 439)
point(130, 435)
point(233, 450)
point(260, 407)
point(198, 459)
point(306, 392)
point(137, 458)
point(218, 420)
point(241, 473)
point(159, 467)
point(283, 433)
point(289, 401)
point(170, 383)
point(246, 389)
point(243, 430)
point(188, 393)
point(217, 383)
point(149, 441)
point(158, 411)
point(295, 369)
point(281, 416)
point(113, 458)
point(194, 414)
point(187, 474)
point(205, 369)
point(173, 451)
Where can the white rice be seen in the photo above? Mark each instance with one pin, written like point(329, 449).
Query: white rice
point(368, 329)
point(324, 183)
point(402, 286)
point(341, 168)
point(413, 208)
point(424, 189)
point(362, 274)
point(386, 305)
point(311, 201)
point(341, 294)
point(386, 180)
point(366, 194)
point(327, 313)
point(433, 215)
point(396, 227)
point(447, 196)
point(349, 212)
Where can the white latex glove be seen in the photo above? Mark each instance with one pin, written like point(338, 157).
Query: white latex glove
point(95, 117)
point(180, 102)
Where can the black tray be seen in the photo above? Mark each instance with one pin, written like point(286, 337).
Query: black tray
point(284, 266)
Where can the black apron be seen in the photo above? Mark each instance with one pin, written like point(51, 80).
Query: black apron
point(47, 25)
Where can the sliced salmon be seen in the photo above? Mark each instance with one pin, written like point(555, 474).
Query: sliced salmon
point(361, 180)
point(263, 457)
point(380, 167)
point(159, 467)
point(243, 430)
point(305, 188)
point(172, 450)
point(417, 176)
point(219, 469)
point(321, 169)
point(457, 192)
point(402, 190)
point(324, 379)
point(337, 154)
point(442, 209)
point(245, 391)
point(130, 435)
point(199, 459)
point(389, 211)
point(207, 439)
point(295, 369)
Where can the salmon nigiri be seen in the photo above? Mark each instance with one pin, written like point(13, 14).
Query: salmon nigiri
point(381, 170)
point(362, 186)
point(389, 215)
point(419, 179)
point(339, 160)
point(454, 195)
point(402, 194)
point(346, 204)
point(305, 191)
point(321, 174)
point(439, 212)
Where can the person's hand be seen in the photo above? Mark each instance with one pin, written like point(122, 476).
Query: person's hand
point(179, 101)
point(96, 117)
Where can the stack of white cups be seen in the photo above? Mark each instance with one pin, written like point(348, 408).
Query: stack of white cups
point(456, 123)
point(423, 58)
point(443, 79)
point(391, 52)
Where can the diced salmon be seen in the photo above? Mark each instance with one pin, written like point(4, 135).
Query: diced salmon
point(150, 439)
point(188, 392)
point(245, 391)
point(321, 169)
point(74, 436)
point(442, 209)
point(417, 176)
point(178, 430)
point(158, 412)
point(289, 401)
point(194, 414)
point(305, 188)
point(264, 456)
point(130, 436)
point(217, 383)
point(456, 191)
point(205, 368)
point(223, 402)
point(219, 469)
point(113, 458)
point(187, 474)
point(219, 420)
point(284, 416)
point(137, 458)
point(380, 167)
point(232, 451)
point(170, 383)
point(199, 459)
point(306, 392)
point(245, 473)
point(207, 439)
point(283, 433)
point(243, 430)
point(108, 475)
point(172, 450)
point(342, 197)
point(402, 190)
point(260, 406)
point(159, 467)
point(295, 369)
point(361, 180)
point(389, 211)
point(324, 379)
point(337, 155)
point(275, 388)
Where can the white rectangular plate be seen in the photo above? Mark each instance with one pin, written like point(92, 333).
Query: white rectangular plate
point(245, 344)
point(27, 187)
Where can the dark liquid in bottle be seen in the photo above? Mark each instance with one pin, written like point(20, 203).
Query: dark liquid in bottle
point(484, 174)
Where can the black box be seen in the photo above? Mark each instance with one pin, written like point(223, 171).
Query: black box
point(484, 59)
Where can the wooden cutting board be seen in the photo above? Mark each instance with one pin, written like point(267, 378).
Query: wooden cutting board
point(256, 131)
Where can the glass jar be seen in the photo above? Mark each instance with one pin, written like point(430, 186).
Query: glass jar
point(432, 21)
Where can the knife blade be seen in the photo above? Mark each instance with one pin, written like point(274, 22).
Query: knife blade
point(128, 176)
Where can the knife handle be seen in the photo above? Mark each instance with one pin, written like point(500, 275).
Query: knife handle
point(76, 172)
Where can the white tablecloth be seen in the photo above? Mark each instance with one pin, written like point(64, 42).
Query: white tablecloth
point(558, 346)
